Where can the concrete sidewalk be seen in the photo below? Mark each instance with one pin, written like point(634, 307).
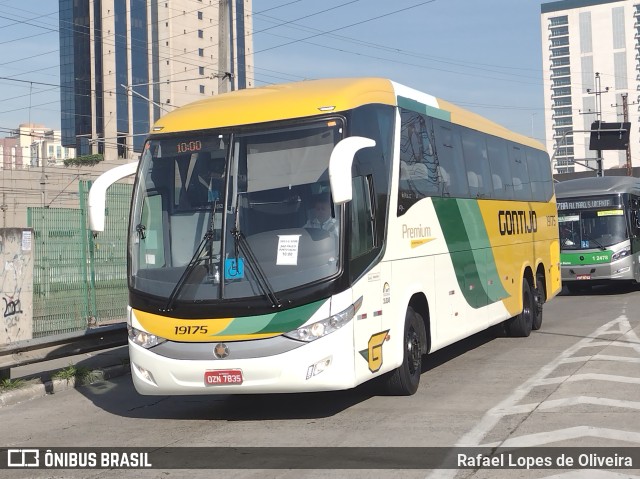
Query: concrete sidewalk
point(48, 377)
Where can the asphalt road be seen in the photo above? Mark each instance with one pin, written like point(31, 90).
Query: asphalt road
point(574, 383)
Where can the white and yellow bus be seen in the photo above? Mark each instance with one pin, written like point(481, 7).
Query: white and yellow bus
point(440, 224)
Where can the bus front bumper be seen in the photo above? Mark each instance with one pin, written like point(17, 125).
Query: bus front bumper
point(622, 269)
point(321, 365)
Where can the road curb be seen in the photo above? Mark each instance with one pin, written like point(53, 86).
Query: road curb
point(35, 389)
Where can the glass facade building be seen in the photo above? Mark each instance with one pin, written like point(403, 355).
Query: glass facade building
point(123, 63)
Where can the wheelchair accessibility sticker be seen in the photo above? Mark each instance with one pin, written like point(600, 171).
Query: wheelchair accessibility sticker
point(233, 270)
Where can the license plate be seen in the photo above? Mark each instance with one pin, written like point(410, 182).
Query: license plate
point(583, 276)
point(221, 377)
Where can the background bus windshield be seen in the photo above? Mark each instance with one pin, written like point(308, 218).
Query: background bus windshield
point(588, 229)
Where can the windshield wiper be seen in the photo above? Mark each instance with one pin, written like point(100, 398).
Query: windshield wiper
point(206, 240)
point(241, 245)
point(598, 244)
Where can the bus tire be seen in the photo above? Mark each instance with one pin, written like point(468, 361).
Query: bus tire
point(520, 325)
point(538, 303)
point(404, 380)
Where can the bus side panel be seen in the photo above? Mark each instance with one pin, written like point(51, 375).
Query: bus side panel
point(445, 239)
point(371, 336)
point(548, 249)
point(522, 234)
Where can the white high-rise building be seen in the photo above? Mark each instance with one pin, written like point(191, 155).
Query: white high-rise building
point(591, 67)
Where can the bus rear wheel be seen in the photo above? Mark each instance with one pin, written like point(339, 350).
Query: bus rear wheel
point(538, 303)
point(520, 325)
point(404, 381)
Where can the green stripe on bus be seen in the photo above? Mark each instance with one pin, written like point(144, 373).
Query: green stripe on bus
point(247, 325)
point(418, 107)
point(482, 251)
point(576, 259)
point(281, 322)
point(291, 319)
point(468, 243)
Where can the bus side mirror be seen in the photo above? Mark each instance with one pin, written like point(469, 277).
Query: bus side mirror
point(98, 193)
point(340, 164)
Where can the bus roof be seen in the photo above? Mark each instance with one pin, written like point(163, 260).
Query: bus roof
point(316, 97)
point(597, 186)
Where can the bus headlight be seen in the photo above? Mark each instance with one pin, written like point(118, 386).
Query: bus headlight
point(144, 339)
point(311, 332)
point(626, 251)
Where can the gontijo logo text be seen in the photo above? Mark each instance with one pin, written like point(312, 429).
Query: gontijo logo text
point(516, 222)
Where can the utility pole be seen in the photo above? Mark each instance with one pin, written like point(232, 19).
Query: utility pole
point(4, 207)
point(625, 118)
point(598, 93)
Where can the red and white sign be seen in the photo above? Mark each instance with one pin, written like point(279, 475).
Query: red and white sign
point(220, 377)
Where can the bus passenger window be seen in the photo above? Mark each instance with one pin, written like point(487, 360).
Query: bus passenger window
point(450, 157)
point(477, 162)
point(502, 180)
point(419, 172)
point(521, 185)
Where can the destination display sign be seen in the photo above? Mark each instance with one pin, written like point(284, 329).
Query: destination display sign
point(588, 203)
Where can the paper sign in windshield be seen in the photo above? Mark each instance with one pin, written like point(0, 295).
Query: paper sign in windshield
point(287, 249)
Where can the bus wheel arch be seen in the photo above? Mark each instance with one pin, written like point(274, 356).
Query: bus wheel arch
point(420, 305)
point(522, 323)
point(539, 297)
point(405, 379)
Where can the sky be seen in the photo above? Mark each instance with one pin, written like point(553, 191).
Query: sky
point(482, 55)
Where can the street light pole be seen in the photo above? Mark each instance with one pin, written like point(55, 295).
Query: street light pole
point(598, 112)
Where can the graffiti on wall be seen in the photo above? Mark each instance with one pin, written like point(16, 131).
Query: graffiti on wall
point(15, 282)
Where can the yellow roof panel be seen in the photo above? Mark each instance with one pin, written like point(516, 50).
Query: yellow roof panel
point(466, 118)
point(278, 102)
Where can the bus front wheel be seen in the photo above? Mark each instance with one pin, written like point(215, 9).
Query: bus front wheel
point(520, 325)
point(404, 381)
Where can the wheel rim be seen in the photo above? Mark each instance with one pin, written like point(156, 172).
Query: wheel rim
point(413, 351)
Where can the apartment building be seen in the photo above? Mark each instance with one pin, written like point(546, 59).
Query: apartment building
point(32, 145)
point(591, 68)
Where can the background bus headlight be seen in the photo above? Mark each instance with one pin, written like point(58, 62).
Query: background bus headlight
point(144, 339)
point(313, 331)
point(621, 254)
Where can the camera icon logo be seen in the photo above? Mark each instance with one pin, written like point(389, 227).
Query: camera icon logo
point(23, 458)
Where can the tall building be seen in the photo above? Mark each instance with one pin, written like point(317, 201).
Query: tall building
point(124, 63)
point(591, 66)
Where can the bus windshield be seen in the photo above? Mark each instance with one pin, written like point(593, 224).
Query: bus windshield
point(235, 215)
point(588, 229)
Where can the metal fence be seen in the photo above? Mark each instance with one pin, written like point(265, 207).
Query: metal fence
point(79, 281)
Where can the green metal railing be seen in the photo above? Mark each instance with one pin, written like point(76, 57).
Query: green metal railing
point(79, 282)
